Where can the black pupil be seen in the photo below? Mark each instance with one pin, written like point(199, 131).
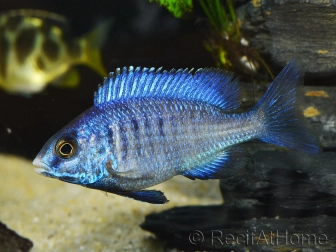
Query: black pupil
point(66, 149)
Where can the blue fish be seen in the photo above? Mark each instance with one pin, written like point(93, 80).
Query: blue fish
point(148, 125)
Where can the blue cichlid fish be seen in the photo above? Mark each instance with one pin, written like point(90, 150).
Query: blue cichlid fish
point(36, 48)
point(148, 125)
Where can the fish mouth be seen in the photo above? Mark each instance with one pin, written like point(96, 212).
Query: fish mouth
point(43, 168)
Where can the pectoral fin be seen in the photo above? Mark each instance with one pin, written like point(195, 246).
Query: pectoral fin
point(132, 174)
point(149, 196)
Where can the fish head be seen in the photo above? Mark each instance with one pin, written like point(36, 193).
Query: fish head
point(68, 156)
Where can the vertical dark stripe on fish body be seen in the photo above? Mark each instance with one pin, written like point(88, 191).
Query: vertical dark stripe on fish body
point(45, 28)
point(124, 142)
point(135, 126)
point(24, 44)
point(136, 135)
point(111, 140)
point(181, 136)
point(50, 48)
point(40, 63)
point(4, 49)
point(169, 140)
point(148, 134)
point(161, 128)
point(12, 23)
point(173, 120)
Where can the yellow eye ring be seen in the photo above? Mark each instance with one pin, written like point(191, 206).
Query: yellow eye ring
point(66, 147)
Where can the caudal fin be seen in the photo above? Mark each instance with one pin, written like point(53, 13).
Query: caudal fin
point(279, 109)
point(94, 42)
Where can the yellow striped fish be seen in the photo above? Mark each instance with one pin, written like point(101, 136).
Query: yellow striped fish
point(36, 48)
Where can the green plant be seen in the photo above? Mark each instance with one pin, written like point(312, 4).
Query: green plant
point(224, 39)
point(177, 7)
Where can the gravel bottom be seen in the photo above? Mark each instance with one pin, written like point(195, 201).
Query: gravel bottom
point(58, 216)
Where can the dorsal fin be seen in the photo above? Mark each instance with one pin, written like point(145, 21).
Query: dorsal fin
point(54, 18)
point(214, 86)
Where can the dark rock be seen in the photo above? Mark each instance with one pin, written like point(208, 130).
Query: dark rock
point(285, 179)
point(11, 241)
point(319, 104)
point(282, 201)
point(293, 29)
point(219, 228)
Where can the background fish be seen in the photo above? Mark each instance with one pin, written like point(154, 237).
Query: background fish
point(147, 126)
point(36, 49)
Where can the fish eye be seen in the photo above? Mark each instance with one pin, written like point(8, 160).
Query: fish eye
point(66, 147)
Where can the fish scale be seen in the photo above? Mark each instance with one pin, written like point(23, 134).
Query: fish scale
point(179, 118)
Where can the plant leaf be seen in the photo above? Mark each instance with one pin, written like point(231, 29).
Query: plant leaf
point(177, 7)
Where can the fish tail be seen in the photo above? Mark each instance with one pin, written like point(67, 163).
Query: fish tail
point(279, 110)
point(94, 41)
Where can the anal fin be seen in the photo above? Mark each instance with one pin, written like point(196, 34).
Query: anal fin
point(225, 164)
point(149, 196)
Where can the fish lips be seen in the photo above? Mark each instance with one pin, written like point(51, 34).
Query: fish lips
point(43, 168)
point(45, 171)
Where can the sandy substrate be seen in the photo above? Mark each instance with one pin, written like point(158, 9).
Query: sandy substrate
point(57, 216)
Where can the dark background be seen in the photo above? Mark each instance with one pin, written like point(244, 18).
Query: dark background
point(143, 34)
